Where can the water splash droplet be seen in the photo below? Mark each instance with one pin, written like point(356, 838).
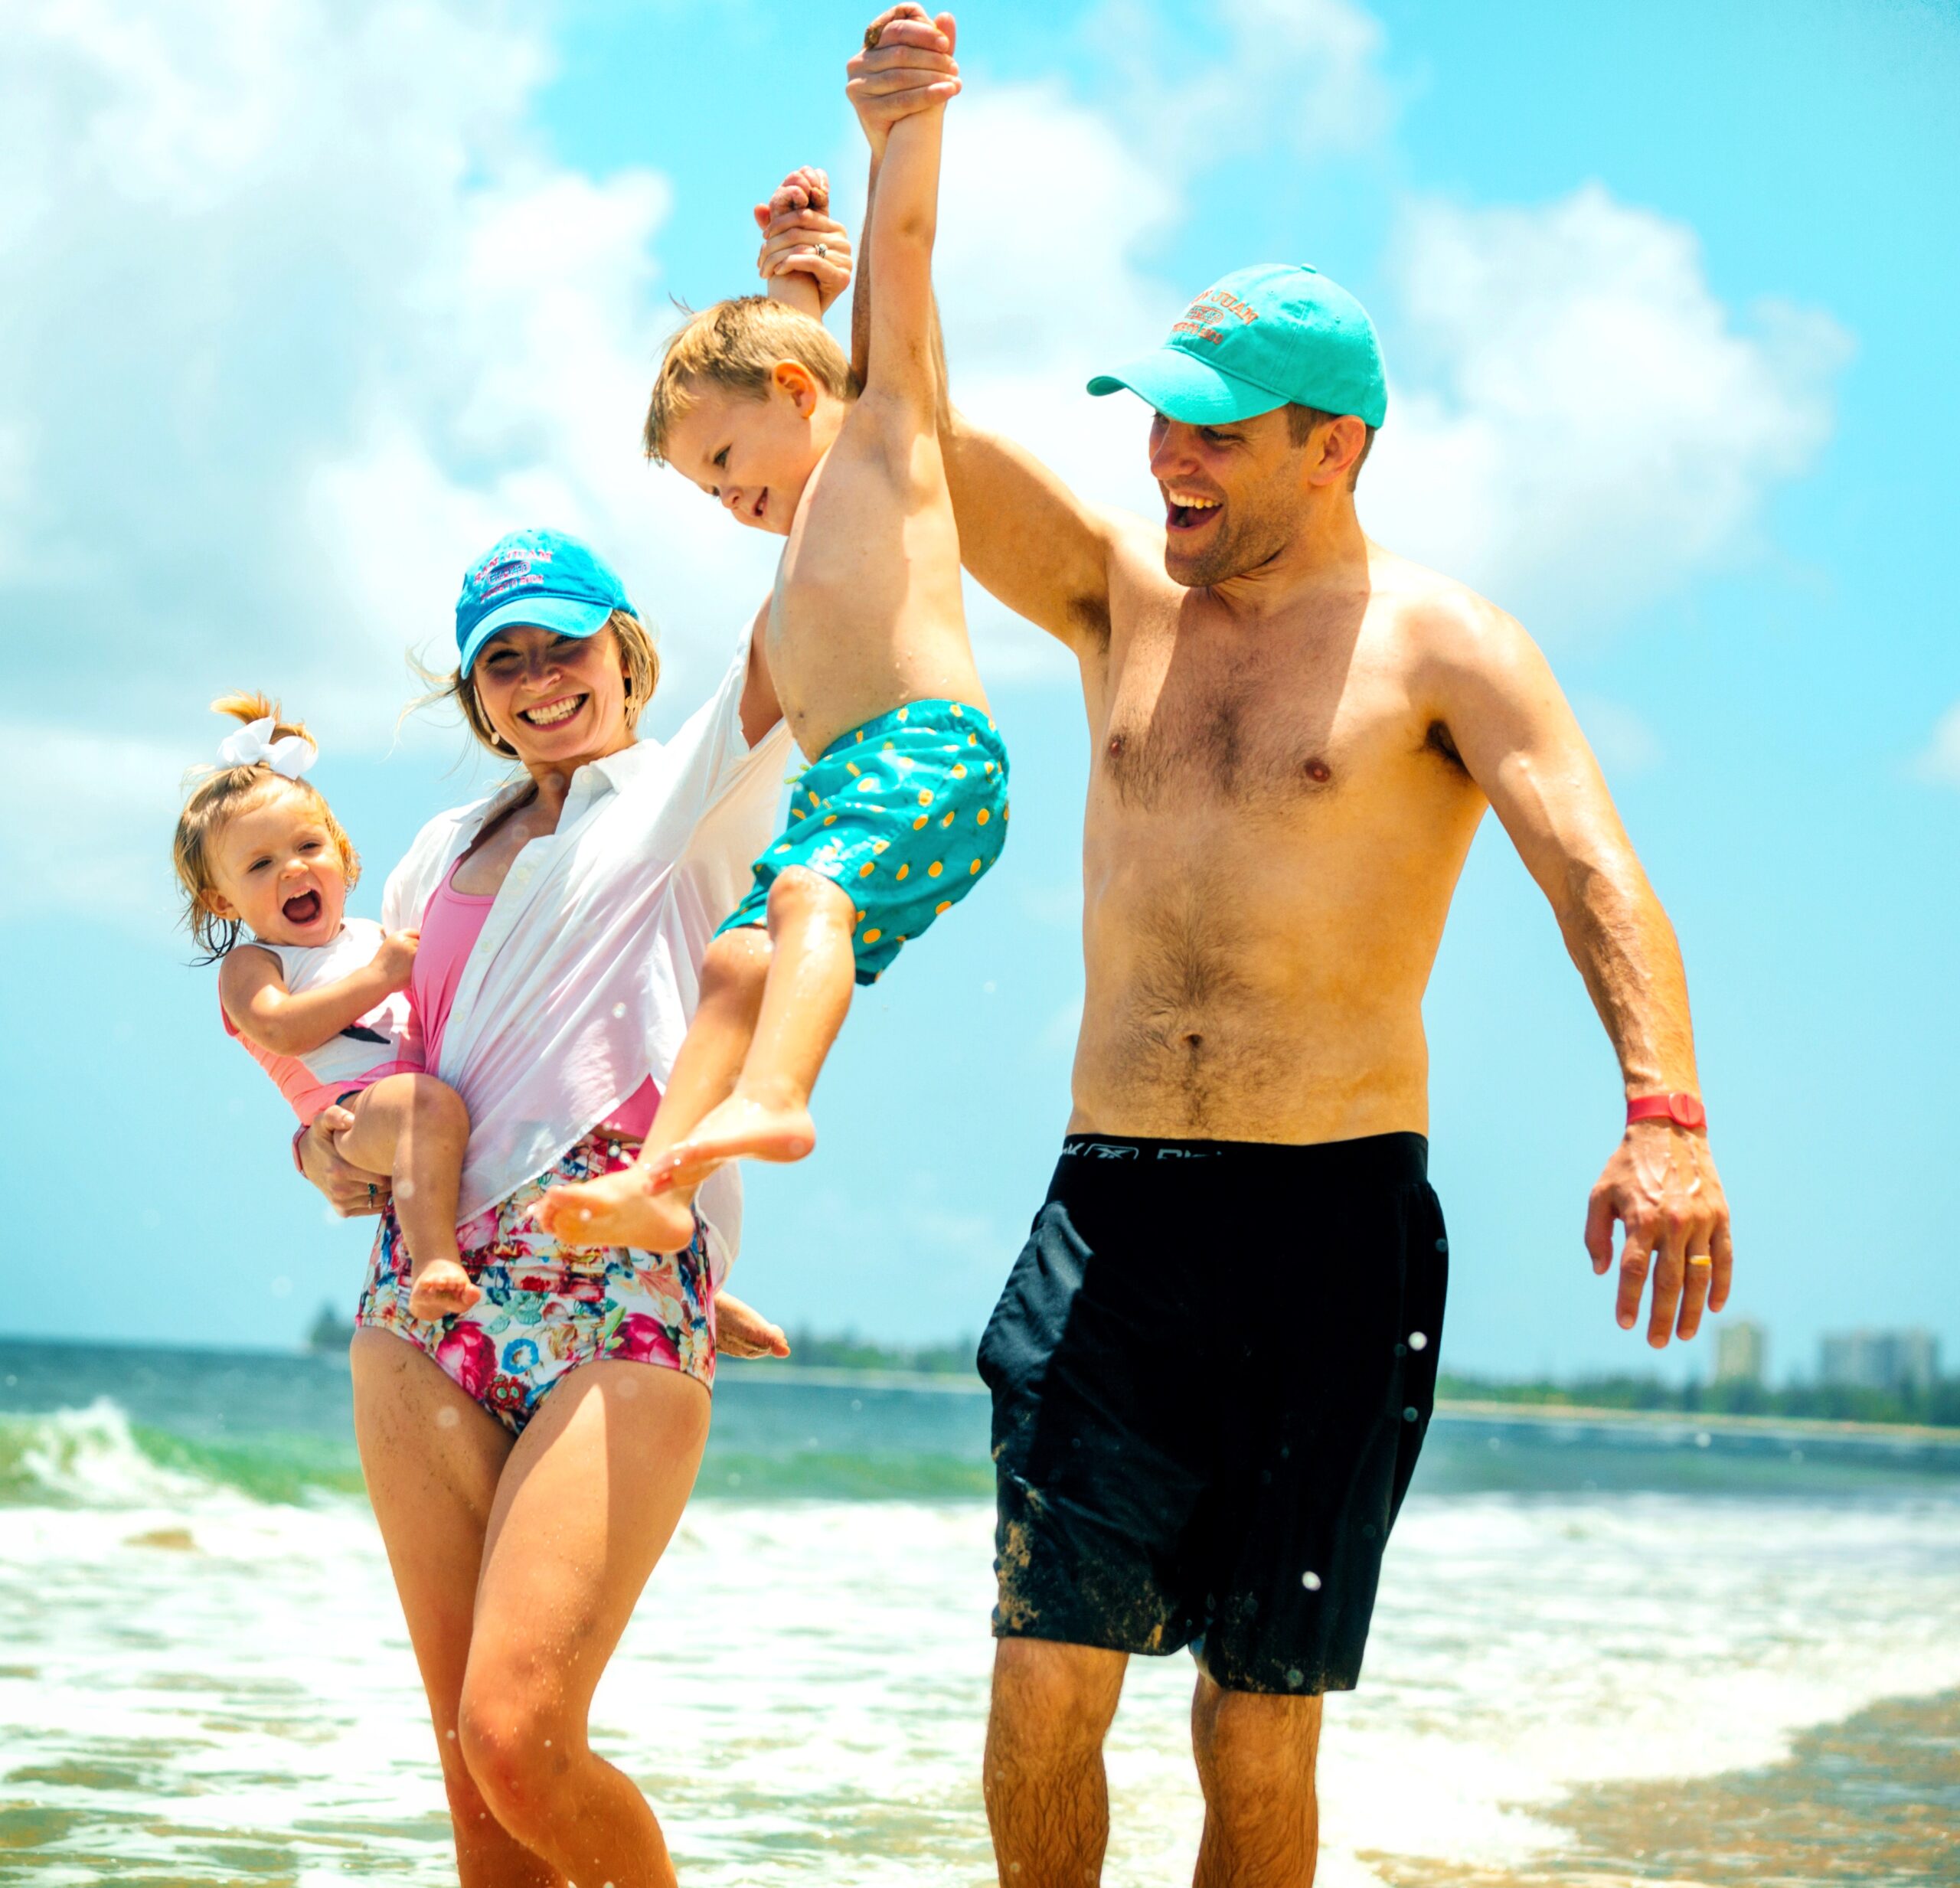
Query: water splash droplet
point(1311, 1581)
point(447, 1418)
point(1419, 1340)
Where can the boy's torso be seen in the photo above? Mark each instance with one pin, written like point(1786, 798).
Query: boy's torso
point(867, 614)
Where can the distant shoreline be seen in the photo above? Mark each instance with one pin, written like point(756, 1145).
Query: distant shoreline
point(1455, 1409)
point(1530, 1406)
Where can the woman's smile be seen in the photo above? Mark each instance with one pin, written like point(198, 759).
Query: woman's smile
point(554, 713)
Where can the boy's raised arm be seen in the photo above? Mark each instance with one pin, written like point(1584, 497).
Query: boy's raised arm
point(1026, 537)
point(900, 227)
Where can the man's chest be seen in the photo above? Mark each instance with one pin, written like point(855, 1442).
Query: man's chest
point(1280, 724)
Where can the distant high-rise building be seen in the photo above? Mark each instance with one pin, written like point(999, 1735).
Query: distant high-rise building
point(1880, 1360)
point(1742, 1352)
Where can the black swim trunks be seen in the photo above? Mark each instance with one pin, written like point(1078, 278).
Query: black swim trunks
point(1213, 1368)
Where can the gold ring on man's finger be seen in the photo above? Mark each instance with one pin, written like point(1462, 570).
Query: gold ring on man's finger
point(1699, 1259)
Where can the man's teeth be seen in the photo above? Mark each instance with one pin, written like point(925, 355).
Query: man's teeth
point(551, 716)
point(1195, 504)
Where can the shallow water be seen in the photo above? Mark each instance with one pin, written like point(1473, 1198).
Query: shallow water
point(1598, 1658)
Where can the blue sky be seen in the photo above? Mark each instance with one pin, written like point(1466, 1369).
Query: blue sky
point(314, 300)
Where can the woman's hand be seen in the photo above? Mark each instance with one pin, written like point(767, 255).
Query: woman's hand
point(351, 1191)
point(796, 224)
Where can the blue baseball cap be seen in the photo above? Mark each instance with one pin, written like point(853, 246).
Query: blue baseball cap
point(542, 578)
point(1268, 336)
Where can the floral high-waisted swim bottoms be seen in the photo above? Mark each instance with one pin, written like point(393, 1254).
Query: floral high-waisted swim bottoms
point(546, 1311)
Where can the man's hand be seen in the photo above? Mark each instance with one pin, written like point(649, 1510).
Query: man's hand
point(351, 1191)
point(905, 65)
point(1661, 1185)
point(396, 958)
point(801, 237)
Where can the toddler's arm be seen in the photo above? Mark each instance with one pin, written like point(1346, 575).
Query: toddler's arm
point(900, 361)
point(253, 989)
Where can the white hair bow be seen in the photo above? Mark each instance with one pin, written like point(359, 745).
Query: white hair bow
point(290, 756)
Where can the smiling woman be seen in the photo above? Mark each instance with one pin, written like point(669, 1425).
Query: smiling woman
point(562, 923)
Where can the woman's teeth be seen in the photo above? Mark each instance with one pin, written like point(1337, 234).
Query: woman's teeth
point(553, 712)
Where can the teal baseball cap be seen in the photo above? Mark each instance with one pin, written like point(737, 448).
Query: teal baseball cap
point(541, 578)
point(1265, 337)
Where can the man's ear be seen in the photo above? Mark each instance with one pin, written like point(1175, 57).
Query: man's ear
point(1334, 448)
point(792, 377)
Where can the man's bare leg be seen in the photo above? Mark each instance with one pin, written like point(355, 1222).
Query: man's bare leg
point(623, 1208)
point(1047, 1796)
point(811, 971)
point(415, 1129)
point(1256, 1758)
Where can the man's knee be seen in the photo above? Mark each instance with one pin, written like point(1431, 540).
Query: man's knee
point(1053, 1699)
point(1248, 1744)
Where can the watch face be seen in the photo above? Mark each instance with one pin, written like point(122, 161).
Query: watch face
point(1686, 1111)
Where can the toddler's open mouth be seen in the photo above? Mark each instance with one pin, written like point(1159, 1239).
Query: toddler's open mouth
point(303, 909)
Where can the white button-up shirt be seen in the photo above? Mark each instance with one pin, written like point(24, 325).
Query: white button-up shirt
point(588, 968)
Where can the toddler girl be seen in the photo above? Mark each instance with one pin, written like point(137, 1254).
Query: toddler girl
point(316, 996)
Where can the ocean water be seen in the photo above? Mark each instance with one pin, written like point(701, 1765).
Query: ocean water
point(1602, 1655)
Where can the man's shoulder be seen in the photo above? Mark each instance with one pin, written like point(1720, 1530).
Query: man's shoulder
point(1442, 618)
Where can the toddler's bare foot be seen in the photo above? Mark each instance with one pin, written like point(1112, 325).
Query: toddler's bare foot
point(440, 1289)
point(742, 1330)
point(620, 1209)
point(739, 1129)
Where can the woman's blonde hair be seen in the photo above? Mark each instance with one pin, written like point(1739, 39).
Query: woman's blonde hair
point(220, 794)
point(640, 665)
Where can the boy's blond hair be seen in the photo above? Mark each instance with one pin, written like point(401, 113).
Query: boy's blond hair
point(735, 346)
point(223, 792)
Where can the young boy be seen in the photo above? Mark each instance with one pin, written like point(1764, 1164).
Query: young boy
point(904, 805)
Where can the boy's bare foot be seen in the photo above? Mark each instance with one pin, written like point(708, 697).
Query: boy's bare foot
point(740, 1128)
point(440, 1289)
point(620, 1209)
point(742, 1330)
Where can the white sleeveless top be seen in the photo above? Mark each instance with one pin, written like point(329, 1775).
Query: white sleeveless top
point(380, 1043)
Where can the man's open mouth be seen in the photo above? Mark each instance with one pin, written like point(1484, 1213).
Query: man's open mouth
point(1187, 511)
point(303, 909)
point(552, 713)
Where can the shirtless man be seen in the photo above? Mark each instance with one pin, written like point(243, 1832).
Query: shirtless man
point(1294, 734)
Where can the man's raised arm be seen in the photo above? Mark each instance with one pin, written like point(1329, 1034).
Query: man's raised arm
point(1029, 541)
point(1510, 725)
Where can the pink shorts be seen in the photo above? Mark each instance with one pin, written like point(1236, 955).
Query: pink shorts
point(546, 1311)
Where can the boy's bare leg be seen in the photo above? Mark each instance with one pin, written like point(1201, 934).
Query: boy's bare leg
point(415, 1129)
point(623, 1208)
point(811, 968)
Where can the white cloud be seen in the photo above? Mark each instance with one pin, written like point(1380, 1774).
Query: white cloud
point(300, 315)
point(1578, 422)
point(1939, 764)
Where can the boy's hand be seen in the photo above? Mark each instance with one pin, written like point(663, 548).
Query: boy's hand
point(396, 958)
point(905, 65)
point(801, 237)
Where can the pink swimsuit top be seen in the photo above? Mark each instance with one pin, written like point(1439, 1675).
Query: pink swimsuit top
point(451, 925)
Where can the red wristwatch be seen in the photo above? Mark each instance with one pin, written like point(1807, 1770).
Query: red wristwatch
point(1684, 1110)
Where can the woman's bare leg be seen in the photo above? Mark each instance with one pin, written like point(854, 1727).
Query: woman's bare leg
point(622, 1208)
point(415, 1129)
point(586, 1505)
point(432, 1457)
point(811, 971)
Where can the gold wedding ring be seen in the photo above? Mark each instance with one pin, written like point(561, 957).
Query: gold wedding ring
point(1700, 1259)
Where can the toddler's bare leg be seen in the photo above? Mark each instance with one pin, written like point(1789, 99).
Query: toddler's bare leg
point(415, 1129)
point(622, 1208)
point(810, 975)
